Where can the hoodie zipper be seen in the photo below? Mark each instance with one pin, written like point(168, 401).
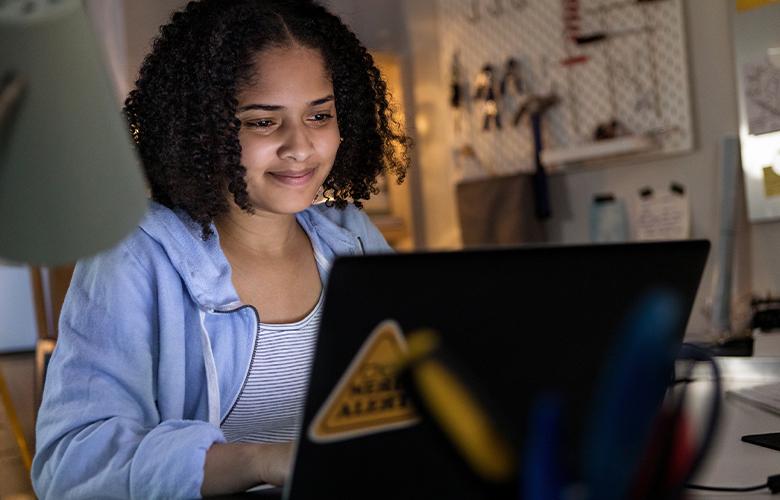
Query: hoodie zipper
point(251, 359)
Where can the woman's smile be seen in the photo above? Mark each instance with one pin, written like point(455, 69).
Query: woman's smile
point(293, 177)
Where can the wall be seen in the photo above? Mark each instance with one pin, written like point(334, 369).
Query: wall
point(142, 21)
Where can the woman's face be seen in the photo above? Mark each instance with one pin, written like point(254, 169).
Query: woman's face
point(289, 135)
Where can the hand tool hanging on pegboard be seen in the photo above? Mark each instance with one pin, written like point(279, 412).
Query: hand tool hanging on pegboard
point(622, 5)
point(512, 80)
point(486, 90)
point(530, 101)
point(536, 106)
point(512, 89)
point(601, 36)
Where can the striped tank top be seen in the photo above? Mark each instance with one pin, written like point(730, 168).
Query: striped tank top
point(270, 406)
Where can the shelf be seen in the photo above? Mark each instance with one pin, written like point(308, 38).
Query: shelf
point(606, 148)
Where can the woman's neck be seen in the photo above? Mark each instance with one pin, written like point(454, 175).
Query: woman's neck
point(259, 234)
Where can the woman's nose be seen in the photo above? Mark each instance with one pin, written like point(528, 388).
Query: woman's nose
point(297, 145)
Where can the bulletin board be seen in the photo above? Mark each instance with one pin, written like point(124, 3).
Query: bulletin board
point(757, 58)
point(637, 75)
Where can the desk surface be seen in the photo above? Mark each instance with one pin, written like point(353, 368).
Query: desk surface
point(732, 462)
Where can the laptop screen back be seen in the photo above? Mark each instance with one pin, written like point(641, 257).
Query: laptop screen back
point(521, 321)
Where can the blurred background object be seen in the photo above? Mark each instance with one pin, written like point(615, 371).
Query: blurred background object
point(70, 183)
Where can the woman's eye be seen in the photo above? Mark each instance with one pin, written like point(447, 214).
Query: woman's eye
point(261, 124)
point(321, 117)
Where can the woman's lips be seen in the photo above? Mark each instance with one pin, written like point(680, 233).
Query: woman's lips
point(293, 178)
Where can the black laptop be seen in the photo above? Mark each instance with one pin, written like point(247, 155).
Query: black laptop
point(520, 320)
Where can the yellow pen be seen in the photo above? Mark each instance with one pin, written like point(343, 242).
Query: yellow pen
point(457, 411)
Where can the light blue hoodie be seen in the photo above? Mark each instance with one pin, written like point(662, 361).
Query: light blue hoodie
point(153, 348)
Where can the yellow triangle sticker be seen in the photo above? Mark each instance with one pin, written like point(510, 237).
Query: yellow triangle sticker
point(369, 397)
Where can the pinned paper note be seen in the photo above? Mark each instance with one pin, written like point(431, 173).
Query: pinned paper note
point(664, 217)
point(762, 102)
point(771, 181)
point(369, 398)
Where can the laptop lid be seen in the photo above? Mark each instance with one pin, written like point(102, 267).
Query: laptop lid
point(521, 320)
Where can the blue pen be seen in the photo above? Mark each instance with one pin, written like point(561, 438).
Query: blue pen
point(541, 474)
point(629, 395)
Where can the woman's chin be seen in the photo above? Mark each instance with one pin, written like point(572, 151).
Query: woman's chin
point(286, 205)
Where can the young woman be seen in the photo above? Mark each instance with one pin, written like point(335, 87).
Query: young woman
point(183, 353)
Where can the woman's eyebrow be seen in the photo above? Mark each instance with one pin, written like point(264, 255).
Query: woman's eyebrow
point(322, 100)
point(264, 107)
point(276, 107)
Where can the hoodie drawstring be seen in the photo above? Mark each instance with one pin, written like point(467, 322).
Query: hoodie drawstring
point(360, 243)
point(212, 386)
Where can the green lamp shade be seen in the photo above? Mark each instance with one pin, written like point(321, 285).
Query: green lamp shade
point(70, 182)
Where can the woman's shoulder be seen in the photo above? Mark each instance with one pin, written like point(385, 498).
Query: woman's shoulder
point(167, 247)
point(143, 243)
point(135, 255)
point(349, 219)
point(345, 217)
point(156, 241)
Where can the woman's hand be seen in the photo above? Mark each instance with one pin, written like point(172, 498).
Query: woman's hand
point(236, 467)
point(273, 463)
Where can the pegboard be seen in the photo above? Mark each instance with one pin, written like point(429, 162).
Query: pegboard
point(639, 75)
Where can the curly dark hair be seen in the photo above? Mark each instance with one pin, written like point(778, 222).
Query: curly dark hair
point(182, 113)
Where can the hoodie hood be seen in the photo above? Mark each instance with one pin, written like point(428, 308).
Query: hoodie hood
point(201, 264)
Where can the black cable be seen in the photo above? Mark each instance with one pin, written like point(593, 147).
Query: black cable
point(726, 488)
point(772, 482)
point(696, 353)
